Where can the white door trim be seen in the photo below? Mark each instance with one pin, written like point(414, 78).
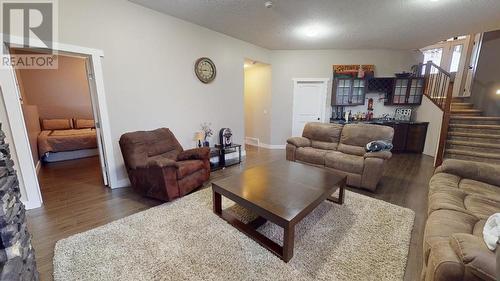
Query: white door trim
point(11, 95)
point(324, 94)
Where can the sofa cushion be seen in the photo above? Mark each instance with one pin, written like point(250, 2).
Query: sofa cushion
point(344, 162)
point(480, 188)
point(458, 200)
point(361, 134)
point(188, 167)
point(351, 149)
point(324, 145)
point(311, 155)
point(324, 132)
point(443, 180)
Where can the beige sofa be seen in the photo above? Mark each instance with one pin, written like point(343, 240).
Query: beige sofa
point(342, 149)
point(462, 195)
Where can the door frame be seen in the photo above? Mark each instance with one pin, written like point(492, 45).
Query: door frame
point(11, 94)
point(324, 94)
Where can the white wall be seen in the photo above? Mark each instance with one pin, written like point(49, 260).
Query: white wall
point(148, 69)
point(487, 79)
point(319, 64)
point(429, 112)
point(258, 102)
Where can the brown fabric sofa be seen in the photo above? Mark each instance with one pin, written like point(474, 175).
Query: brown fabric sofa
point(342, 149)
point(462, 195)
point(159, 167)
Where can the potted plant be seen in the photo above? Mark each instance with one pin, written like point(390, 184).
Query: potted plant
point(205, 128)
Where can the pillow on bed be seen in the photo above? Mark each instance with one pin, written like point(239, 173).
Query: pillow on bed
point(84, 123)
point(57, 124)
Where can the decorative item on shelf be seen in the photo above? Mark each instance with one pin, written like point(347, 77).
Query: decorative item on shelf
point(361, 72)
point(369, 115)
point(225, 137)
point(199, 136)
point(353, 70)
point(208, 133)
point(403, 114)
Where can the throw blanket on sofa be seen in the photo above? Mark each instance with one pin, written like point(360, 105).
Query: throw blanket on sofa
point(380, 145)
point(491, 231)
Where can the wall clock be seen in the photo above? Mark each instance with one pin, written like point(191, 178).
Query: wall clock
point(205, 70)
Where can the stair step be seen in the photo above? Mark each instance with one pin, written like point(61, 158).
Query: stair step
point(474, 135)
point(453, 155)
point(476, 112)
point(462, 105)
point(480, 120)
point(473, 146)
point(494, 156)
point(479, 129)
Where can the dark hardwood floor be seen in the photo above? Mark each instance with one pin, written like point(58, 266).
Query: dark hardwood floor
point(75, 200)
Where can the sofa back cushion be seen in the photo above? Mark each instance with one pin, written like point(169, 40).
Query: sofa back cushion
point(355, 137)
point(138, 147)
point(323, 135)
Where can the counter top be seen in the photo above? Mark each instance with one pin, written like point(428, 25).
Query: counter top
point(377, 122)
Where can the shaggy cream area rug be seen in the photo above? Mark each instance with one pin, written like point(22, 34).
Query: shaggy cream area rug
point(364, 239)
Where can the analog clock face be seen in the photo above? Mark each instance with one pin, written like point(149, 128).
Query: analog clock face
point(205, 70)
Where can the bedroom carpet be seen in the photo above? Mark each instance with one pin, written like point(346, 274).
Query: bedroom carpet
point(364, 239)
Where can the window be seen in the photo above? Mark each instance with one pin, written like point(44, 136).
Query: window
point(455, 58)
point(434, 55)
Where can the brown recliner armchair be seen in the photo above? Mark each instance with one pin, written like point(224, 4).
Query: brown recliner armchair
point(160, 168)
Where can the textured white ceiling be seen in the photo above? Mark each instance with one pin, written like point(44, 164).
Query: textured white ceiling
point(395, 24)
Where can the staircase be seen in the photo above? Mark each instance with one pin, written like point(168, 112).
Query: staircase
point(472, 136)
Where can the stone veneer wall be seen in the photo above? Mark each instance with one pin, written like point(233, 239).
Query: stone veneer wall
point(17, 256)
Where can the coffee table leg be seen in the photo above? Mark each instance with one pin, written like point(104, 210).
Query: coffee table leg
point(217, 203)
point(341, 198)
point(288, 242)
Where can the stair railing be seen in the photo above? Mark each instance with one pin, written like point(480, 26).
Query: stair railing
point(439, 89)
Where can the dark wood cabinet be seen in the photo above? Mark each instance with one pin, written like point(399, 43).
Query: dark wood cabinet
point(408, 137)
point(349, 91)
point(407, 91)
point(400, 136)
point(415, 141)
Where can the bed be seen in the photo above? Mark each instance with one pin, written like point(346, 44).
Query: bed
point(63, 142)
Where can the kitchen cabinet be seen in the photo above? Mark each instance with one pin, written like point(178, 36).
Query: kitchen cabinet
point(408, 91)
point(409, 137)
point(348, 91)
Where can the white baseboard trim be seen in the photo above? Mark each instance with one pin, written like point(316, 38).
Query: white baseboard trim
point(29, 206)
point(272, 146)
point(252, 141)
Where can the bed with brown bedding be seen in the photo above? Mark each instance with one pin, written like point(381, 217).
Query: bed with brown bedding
point(66, 140)
point(59, 140)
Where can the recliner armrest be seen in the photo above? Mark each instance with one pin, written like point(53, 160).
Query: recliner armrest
point(202, 153)
point(386, 155)
point(476, 257)
point(299, 141)
point(162, 163)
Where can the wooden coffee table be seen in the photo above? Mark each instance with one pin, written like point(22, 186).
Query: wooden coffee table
point(281, 192)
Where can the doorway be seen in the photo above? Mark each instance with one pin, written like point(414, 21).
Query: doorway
point(60, 122)
point(309, 103)
point(17, 128)
point(257, 103)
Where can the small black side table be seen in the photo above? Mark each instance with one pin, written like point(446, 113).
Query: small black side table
point(221, 152)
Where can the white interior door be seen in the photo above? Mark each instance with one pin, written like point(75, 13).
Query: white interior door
point(309, 101)
point(97, 119)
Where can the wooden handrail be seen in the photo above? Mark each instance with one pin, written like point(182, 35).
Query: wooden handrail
point(439, 89)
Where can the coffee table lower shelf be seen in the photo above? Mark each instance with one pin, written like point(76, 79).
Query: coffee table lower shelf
point(284, 252)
